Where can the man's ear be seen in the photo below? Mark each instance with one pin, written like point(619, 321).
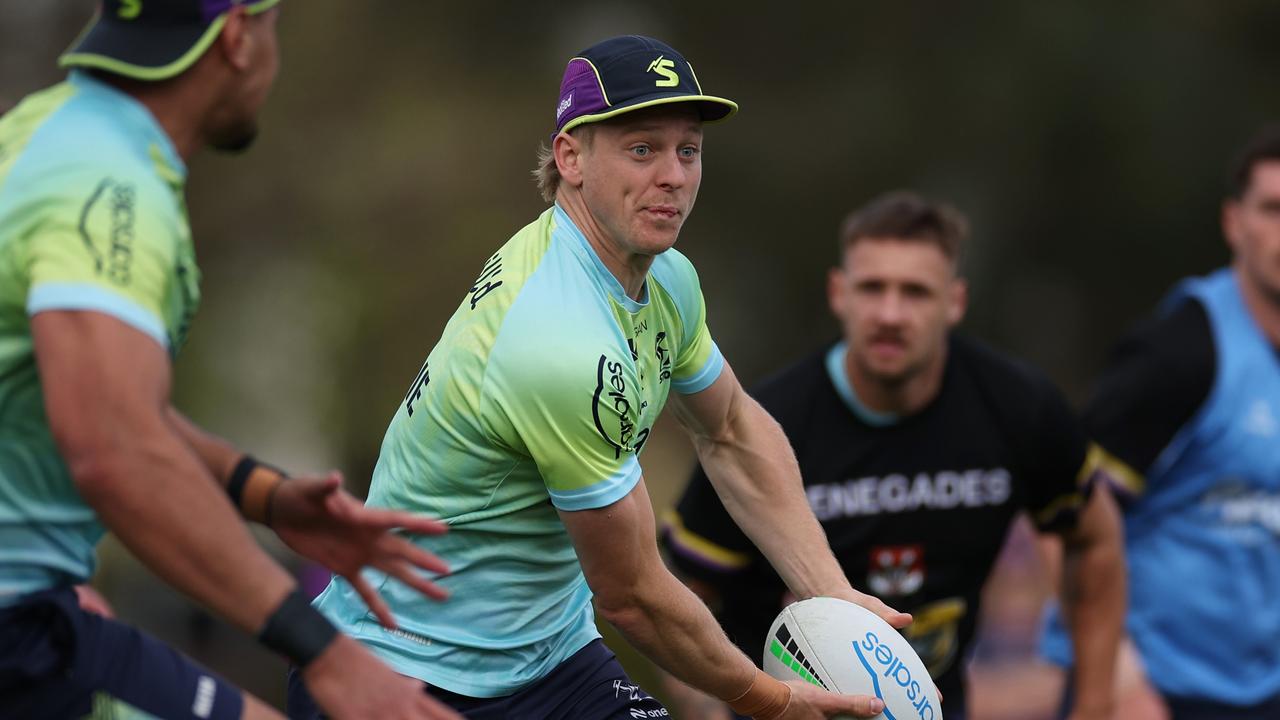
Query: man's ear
point(835, 291)
point(568, 150)
point(958, 303)
point(235, 43)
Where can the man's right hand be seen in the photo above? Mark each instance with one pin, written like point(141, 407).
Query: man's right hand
point(347, 681)
point(809, 702)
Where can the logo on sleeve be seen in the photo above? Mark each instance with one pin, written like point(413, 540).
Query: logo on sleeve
point(487, 281)
point(664, 356)
point(107, 227)
point(612, 409)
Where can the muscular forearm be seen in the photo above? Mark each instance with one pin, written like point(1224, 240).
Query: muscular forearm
point(218, 455)
point(157, 496)
point(754, 471)
point(668, 623)
point(1093, 604)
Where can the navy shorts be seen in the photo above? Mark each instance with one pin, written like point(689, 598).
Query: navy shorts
point(58, 661)
point(590, 685)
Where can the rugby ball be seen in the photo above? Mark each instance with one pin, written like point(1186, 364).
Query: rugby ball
point(848, 649)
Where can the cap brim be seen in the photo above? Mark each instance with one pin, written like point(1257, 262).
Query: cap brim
point(145, 52)
point(712, 108)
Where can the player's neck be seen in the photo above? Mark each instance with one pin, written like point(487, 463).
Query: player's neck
point(1264, 308)
point(177, 106)
point(903, 398)
point(630, 269)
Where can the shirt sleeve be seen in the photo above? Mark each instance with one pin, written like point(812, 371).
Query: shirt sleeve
point(574, 417)
point(698, 362)
point(1060, 464)
point(1156, 380)
point(107, 247)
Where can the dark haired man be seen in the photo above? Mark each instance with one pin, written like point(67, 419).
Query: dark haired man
point(1188, 413)
point(98, 283)
point(918, 447)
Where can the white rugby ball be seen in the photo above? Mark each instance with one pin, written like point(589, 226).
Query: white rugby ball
point(848, 649)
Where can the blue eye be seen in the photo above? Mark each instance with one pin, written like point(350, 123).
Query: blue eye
point(688, 153)
point(641, 150)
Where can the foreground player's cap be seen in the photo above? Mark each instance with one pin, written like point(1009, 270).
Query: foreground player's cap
point(628, 73)
point(152, 39)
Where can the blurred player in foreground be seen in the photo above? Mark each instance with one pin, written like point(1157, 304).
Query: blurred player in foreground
point(918, 448)
point(523, 427)
point(1188, 411)
point(98, 283)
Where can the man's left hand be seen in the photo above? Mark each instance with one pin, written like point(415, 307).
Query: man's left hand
point(897, 619)
point(319, 520)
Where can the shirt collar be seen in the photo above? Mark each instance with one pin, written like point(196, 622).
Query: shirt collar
point(840, 378)
point(564, 229)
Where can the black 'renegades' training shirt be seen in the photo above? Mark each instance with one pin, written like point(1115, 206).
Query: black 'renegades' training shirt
point(916, 510)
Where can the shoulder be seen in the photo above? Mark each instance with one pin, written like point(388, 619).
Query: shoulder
point(801, 377)
point(1178, 337)
point(675, 275)
point(1011, 378)
point(84, 168)
point(789, 394)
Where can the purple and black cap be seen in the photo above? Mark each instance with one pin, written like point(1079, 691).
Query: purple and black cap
point(628, 73)
point(152, 39)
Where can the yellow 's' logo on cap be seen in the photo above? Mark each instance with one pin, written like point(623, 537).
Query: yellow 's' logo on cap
point(129, 9)
point(663, 68)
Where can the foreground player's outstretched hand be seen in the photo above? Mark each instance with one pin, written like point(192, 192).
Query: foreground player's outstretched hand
point(349, 683)
point(319, 520)
point(809, 702)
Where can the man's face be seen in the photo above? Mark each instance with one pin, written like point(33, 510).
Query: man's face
point(237, 127)
point(1252, 227)
point(640, 176)
point(896, 300)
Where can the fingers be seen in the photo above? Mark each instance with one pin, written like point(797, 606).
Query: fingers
point(396, 519)
point(896, 619)
point(314, 488)
point(863, 706)
point(405, 573)
point(376, 604)
point(421, 558)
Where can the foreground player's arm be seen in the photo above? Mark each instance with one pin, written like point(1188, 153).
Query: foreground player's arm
point(106, 388)
point(637, 594)
point(1093, 602)
point(749, 461)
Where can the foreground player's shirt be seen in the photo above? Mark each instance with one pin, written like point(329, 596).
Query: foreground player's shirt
point(916, 508)
point(1188, 410)
point(91, 218)
point(538, 397)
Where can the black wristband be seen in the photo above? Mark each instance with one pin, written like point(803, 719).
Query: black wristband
point(239, 476)
point(297, 631)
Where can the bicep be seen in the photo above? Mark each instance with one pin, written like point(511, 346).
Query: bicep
point(707, 413)
point(615, 544)
point(102, 379)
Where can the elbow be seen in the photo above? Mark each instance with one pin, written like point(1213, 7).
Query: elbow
point(96, 475)
point(625, 609)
